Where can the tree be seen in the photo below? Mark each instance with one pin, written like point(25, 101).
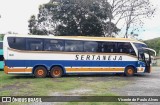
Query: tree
point(72, 17)
point(117, 10)
point(137, 10)
point(1, 37)
point(154, 44)
point(32, 24)
point(130, 12)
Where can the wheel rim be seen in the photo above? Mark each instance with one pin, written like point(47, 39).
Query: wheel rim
point(130, 71)
point(56, 72)
point(40, 72)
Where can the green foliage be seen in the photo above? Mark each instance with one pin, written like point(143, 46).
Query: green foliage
point(1, 37)
point(154, 44)
point(72, 17)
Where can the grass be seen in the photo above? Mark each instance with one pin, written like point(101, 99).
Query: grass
point(13, 85)
point(30, 86)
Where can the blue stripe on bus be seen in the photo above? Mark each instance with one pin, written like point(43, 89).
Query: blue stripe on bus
point(69, 63)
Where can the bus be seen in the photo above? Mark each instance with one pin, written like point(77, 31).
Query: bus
point(56, 56)
point(1, 55)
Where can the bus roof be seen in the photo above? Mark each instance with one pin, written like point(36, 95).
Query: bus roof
point(89, 38)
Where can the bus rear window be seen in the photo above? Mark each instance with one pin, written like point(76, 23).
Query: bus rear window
point(17, 43)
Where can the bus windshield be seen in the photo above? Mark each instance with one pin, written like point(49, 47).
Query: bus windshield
point(140, 45)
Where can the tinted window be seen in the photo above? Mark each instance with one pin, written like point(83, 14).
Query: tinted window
point(108, 47)
point(73, 46)
point(35, 44)
point(17, 43)
point(125, 47)
point(90, 46)
point(53, 45)
point(139, 45)
point(1, 58)
point(1, 45)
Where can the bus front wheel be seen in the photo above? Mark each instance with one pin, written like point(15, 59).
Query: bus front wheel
point(40, 72)
point(56, 72)
point(129, 71)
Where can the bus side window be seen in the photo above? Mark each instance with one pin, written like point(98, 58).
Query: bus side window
point(17, 43)
point(109, 47)
point(34, 44)
point(53, 45)
point(122, 47)
point(90, 46)
point(1, 58)
point(73, 46)
point(125, 47)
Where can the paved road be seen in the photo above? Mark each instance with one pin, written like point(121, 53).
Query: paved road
point(142, 85)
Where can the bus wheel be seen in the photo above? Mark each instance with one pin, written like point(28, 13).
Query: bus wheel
point(56, 72)
point(129, 71)
point(40, 72)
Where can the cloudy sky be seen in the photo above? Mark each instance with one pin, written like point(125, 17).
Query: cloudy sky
point(16, 13)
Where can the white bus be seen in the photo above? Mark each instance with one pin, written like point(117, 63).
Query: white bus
point(60, 55)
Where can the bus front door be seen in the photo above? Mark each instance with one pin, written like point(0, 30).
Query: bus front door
point(148, 63)
point(144, 56)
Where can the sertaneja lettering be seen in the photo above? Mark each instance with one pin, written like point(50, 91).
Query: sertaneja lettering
point(99, 57)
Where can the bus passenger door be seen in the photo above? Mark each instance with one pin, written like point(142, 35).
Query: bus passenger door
point(144, 56)
point(148, 62)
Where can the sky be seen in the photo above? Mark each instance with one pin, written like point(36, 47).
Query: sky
point(16, 13)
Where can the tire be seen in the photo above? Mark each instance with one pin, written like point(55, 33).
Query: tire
point(129, 71)
point(40, 72)
point(56, 72)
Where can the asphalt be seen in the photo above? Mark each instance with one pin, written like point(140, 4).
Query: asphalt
point(142, 85)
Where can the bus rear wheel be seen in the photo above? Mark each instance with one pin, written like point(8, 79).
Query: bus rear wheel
point(129, 71)
point(56, 72)
point(40, 72)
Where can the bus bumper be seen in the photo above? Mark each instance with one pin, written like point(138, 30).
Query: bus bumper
point(6, 69)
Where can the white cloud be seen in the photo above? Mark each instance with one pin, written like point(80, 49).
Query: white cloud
point(16, 13)
point(149, 35)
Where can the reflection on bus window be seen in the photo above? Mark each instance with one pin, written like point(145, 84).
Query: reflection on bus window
point(139, 45)
point(35, 44)
point(108, 47)
point(90, 46)
point(73, 46)
point(125, 47)
point(53, 45)
point(17, 43)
